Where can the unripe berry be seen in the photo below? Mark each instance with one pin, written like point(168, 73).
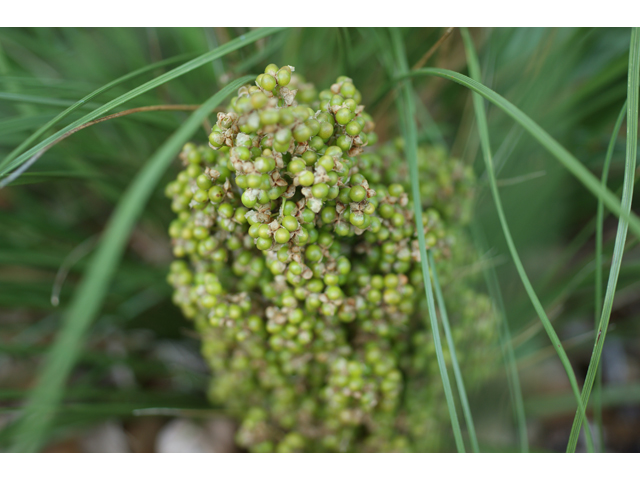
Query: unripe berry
point(343, 116)
point(268, 82)
point(282, 235)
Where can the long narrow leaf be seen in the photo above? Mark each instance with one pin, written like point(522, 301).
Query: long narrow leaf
point(46, 396)
point(598, 266)
point(235, 44)
point(633, 84)
point(454, 358)
point(83, 101)
point(570, 162)
point(483, 131)
point(37, 100)
point(408, 126)
point(513, 379)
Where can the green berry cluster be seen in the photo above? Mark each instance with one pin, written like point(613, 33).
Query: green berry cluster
point(298, 263)
point(446, 184)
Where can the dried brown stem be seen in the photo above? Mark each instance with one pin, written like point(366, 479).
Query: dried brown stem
point(150, 108)
point(425, 58)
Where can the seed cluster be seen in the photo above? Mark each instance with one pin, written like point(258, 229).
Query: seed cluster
point(299, 266)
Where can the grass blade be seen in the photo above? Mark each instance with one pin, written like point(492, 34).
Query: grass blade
point(633, 84)
point(454, 358)
point(36, 100)
point(570, 162)
point(513, 379)
point(600, 211)
point(83, 101)
point(235, 44)
point(88, 298)
point(483, 131)
point(598, 264)
point(408, 127)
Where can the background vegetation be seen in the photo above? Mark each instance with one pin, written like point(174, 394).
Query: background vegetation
point(84, 249)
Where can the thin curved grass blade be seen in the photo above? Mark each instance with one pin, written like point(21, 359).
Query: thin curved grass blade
point(45, 398)
point(483, 131)
point(599, 270)
point(464, 401)
point(228, 47)
point(570, 162)
point(408, 127)
point(633, 84)
point(37, 100)
point(513, 379)
point(84, 100)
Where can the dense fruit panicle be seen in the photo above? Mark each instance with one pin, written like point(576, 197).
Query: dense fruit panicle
point(299, 265)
